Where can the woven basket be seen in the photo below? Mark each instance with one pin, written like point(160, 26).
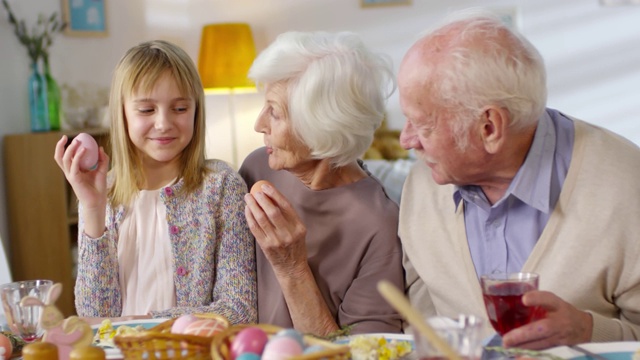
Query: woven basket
point(159, 343)
point(221, 346)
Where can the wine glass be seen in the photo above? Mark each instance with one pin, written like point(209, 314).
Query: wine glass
point(502, 295)
point(463, 335)
point(24, 321)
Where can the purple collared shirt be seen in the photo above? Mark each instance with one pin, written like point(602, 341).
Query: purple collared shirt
point(502, 236)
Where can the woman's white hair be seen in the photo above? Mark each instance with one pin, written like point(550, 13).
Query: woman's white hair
point(488, 63)
point(337, 90)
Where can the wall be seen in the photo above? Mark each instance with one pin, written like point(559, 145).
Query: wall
point(592, 53)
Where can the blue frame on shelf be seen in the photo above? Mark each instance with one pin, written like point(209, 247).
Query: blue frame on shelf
point(85, 17)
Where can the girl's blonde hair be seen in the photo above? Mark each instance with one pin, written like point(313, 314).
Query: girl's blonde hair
point(138, 71)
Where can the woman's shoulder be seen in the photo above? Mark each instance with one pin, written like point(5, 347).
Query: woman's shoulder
point(256, 167)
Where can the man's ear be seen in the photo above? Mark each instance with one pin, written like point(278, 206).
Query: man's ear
point(494, 123)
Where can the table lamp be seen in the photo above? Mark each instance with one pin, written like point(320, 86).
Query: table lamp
point(226, 54)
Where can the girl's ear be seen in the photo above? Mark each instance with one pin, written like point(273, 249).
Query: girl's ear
point(54, 293)
point(31, 301)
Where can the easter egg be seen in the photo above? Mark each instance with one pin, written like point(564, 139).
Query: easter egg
point(204, 327)
point(5, 344)
point(182, 322)
point(281, 348)
point(257, 187)
point(291, 333)
point(89, 160)
point(248, 340)
point(248, 356)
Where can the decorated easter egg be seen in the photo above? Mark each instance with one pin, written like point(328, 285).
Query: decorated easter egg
point(182, 322)
point(5, 344)
point(89, 160)
point(291, 333)
point(204, 327)
point(248, 340)
point(281, 348)
point(248, 356)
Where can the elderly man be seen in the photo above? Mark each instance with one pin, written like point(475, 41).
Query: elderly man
point(506, 185)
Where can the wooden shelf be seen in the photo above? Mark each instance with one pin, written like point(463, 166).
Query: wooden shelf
point(38, 204)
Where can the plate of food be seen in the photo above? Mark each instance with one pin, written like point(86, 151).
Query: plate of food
point(379, 346)
point(107, 330)
point(625, 350)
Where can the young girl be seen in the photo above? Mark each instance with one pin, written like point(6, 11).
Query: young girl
point(163, 232)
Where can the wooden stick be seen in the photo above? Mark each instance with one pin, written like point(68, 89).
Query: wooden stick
point(402, 305)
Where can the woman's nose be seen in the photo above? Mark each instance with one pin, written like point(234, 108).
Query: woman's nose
point(261, 125)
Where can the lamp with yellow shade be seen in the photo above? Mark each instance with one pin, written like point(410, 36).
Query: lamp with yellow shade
point(226, 54)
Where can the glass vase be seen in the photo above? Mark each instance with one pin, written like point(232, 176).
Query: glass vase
point(38, 100)
point(53, 98)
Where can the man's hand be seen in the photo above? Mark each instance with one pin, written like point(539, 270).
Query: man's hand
point(563, 325)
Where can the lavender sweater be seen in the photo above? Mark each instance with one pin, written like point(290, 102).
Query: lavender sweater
point(213, 253)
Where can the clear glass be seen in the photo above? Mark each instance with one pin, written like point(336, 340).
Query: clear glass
point(502, 294)
point(463, 334)
point(24, 321)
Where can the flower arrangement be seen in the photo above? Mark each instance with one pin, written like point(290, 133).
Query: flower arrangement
point(39, 39)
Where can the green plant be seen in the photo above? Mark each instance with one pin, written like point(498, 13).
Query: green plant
point(39, 39)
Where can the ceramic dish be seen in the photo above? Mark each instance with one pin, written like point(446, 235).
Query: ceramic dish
point(114, 353)
point(612, 351)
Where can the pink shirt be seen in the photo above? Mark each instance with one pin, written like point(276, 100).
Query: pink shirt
point(144, 257)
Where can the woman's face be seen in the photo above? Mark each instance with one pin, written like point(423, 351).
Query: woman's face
point(286, 151)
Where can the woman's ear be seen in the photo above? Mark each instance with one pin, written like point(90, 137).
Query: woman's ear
point(494, 123)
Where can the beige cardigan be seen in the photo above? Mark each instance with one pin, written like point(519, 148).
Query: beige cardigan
point(588, 253)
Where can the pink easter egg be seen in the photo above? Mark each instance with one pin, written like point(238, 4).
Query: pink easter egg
point(204, 327)
point(6, 345)
point(182, 322)
point(281, 348)
point(89, 160)
point(248, 340)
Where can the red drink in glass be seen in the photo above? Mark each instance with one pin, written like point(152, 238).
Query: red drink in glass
point(503, 300)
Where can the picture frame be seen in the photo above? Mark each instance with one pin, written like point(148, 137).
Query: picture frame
point(376, 3)
point(509, 15)
point(85, 17)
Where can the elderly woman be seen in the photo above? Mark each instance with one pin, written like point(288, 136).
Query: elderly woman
point(326, 229)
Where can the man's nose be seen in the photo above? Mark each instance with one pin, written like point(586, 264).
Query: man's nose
point(408, 136)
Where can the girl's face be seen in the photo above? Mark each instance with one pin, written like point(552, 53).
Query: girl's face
point(286, 151)
point(160, 123)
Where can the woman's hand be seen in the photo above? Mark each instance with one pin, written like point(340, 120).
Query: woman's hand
point(282, 237)
point(90, 187)
point(278, 231)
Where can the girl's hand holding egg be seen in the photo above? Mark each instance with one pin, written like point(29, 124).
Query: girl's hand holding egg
point(89, 160)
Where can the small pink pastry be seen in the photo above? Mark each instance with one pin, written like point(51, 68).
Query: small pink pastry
point(182, 322)
point(204, 327)
point(89, 160)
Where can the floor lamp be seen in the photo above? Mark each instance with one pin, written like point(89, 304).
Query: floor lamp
point(226, 54)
